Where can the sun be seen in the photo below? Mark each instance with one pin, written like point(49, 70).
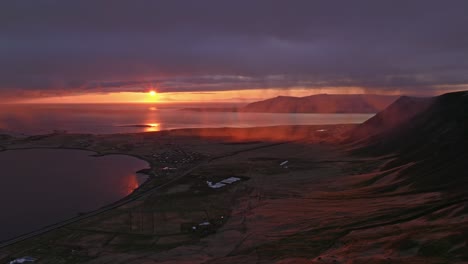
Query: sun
point(150, 96)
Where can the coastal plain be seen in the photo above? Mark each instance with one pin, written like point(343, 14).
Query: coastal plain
point(325, 205)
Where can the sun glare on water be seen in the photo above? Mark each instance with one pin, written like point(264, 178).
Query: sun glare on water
point(152, 127)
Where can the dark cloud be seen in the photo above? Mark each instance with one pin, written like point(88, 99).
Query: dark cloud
point(222, 44)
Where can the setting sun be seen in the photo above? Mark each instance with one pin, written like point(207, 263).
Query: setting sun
point(152, 93)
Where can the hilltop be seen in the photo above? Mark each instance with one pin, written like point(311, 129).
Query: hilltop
point(320, 103)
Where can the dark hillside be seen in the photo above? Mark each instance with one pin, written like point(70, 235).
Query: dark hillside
point(433, 133)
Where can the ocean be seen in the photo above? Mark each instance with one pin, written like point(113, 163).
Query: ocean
point(30, 119)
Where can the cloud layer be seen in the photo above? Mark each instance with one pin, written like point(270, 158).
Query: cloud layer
point(204, 45)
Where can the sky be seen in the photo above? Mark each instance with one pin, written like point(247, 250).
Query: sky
point(229, 50)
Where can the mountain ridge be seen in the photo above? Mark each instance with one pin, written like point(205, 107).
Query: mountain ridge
point(431, 135)
point(319, 103)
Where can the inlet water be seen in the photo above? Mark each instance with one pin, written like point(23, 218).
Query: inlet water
point(39, 187)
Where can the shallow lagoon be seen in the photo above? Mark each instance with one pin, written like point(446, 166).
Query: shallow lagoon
point(40, 187)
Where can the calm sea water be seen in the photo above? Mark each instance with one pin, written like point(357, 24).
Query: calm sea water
point(40, 187)
point(129, 118)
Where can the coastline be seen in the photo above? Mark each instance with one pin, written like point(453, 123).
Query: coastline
point(81, 215)
point(322, 183)
point(149, 184)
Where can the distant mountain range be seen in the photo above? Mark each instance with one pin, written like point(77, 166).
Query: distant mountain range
point(320, 103)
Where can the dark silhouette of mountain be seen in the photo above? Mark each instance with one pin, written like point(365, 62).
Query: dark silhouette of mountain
point(321, 103)
point(398, 113)
point(430, 135)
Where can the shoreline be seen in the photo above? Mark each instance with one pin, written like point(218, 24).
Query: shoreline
point(140, 191)
point(167, 122)
point(324, 196)
point(80, 215)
